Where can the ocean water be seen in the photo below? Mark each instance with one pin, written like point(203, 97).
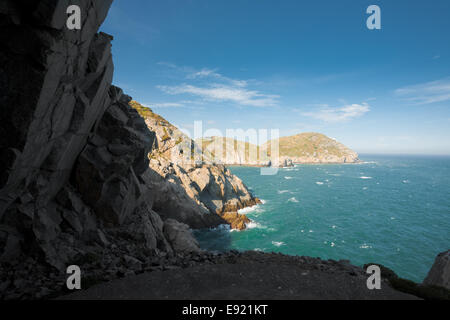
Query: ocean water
point(393, 210)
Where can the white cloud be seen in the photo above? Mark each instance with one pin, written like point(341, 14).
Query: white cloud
point(164, 105)
point(342, 114)
point(203, 73)
point(220, 92)
point(426, 93)
point(209, 73)
point(209, 85)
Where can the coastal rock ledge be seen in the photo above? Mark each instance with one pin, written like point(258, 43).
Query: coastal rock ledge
point(439, 274)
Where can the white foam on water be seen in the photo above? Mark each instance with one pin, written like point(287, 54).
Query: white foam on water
point(366, 162)
point(288, 178)
point(319, 183)
point(405, 181)
point(255, 225)
point(365, 246)
point(332, 244)
point(248, 209)
point(278, 243)
point(334, 174)
point(333, 227)
point(365, 188)
point(263, 201)
point(363, 177)
point(293, 200)
point(282, 191)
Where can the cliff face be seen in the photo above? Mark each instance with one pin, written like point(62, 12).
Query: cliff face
point(234, 152)
point(74, 164)
point(301, 148)
point(191, 188)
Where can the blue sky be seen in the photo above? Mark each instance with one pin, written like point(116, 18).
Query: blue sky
point(294, 65)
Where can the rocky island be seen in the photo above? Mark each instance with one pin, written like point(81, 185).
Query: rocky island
point(89, 178)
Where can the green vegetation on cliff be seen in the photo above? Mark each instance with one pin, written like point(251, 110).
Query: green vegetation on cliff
point(309, 144)
point(147, 113)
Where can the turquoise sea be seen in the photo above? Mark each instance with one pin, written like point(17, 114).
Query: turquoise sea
point(393, 210)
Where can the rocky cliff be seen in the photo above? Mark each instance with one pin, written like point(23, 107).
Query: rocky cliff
point(230, 151)
point(301, 148)
point(75, 176)
point(439, 274)
point(189, 186)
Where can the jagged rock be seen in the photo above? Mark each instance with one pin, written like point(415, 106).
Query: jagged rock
point(109, 181)
point(237, 221)
point(439, 274)
point(73, 153)
point(52, 96)
point(179, 236)
point(192, 188)
point(282, 162)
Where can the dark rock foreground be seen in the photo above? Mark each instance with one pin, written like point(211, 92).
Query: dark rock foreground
point(246, 276)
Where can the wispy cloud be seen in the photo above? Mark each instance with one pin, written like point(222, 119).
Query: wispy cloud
point(426, 93)
point(210, 85)
point(341, 114)
point(224, 93)
point(209, 73)
point(164, 105)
